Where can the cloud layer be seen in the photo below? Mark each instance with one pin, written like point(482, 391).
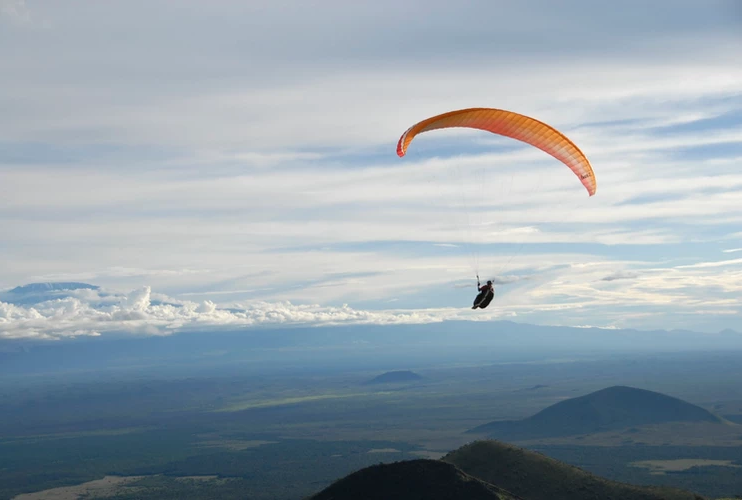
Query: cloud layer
point(95, 312)
point(245, 155)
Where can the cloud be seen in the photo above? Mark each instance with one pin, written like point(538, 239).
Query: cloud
point(637, 294)
point(497, 280)
point(15, 11)
point(255, 162)
point(141, 312)
point(720, 263)
point(507, 280)
point(298, 69)
point(620, 275)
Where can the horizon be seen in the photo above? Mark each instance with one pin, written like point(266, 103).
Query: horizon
point(224, 226)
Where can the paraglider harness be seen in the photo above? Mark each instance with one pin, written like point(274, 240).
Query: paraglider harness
point(485, 296)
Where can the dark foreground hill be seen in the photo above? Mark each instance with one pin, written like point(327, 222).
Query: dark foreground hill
point(395, 377)
point(488, 470)
point(535, 476)
point(613, 408)
point(421, 479)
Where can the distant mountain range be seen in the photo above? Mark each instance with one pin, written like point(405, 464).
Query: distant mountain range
point(488, 470)
point(33, 293)
point(49, 287)
point(613, 408)
point(379, 347)
point(507, 331)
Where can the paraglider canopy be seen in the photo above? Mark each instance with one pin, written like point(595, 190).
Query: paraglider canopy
point(515, 126)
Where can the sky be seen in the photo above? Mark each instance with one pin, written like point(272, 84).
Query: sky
point(230, 164)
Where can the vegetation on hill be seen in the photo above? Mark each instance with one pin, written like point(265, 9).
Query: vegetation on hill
point(613, 408)
point(412, 480)
point(535, 476)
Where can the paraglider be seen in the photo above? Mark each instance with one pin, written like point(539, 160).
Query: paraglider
point(485, 296)
point(516, 126)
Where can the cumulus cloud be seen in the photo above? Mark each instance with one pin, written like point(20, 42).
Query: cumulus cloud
point(632, 294)
point(141, 312)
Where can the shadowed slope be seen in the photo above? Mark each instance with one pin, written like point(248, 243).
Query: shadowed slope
point(411, 480)
point(613, 408)
point(535, 476)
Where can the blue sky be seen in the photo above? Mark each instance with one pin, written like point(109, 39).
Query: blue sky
point(236, 161)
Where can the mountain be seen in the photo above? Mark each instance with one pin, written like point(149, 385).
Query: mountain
point(613, 408)
point(51, 287)
point(450, 340)
point(360, 347)
point(412, 480)
point(535, 476)
point(395, 377)
point(34, 293)
point(488, 470)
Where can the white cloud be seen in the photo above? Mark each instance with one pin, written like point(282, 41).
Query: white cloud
point(15, 10)
point(90, 314)
point(259, 163)
point(719, 263)
point(634, 294)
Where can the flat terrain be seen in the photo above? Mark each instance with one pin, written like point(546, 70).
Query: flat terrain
point(100, 488)
point(662, 466)
point(291, 432)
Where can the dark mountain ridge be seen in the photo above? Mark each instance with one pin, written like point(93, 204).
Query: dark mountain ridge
point(421, 479)
point(488, 470)
point(613, 408)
